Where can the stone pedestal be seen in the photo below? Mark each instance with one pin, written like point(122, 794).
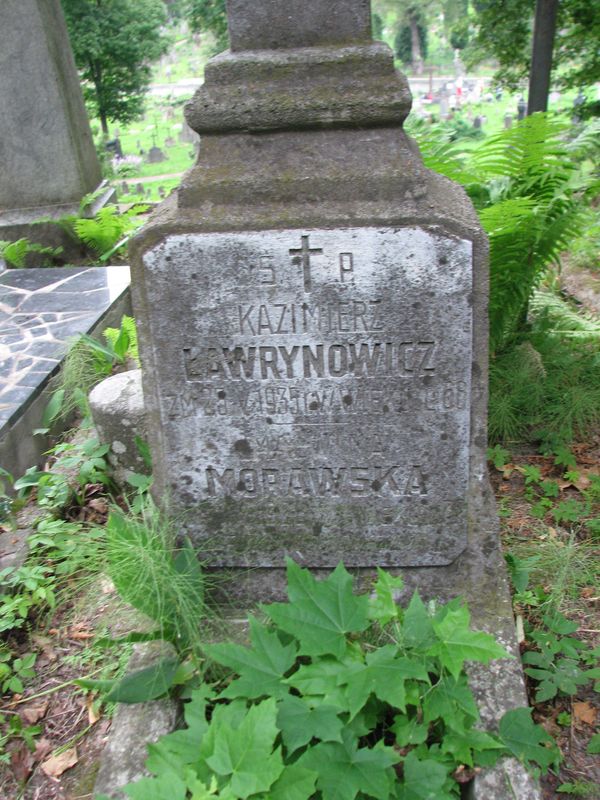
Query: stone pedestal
point(312, 312)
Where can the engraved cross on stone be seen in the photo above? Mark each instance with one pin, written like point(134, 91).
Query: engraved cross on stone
point(301, 257)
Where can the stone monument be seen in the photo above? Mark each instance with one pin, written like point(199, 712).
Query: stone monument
point(312, 310)
point(46, 149)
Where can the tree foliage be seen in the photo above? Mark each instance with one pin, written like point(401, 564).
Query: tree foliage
point(503, 30)
point(210, 15)
point(114, 43)
point(532, 201)
point(403, 43)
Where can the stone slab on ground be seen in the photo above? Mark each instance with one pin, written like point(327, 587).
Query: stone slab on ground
point(133, 728)
point(40, 311)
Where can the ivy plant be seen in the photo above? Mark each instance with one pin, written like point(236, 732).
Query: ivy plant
point(340, 696)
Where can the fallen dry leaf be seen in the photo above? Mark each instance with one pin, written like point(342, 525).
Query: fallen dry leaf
point(32, 713)
point(56, 765)
point(93, 713)
point(80, 631)
point(42, 748)
point(99, 504)
point(584, 712)
point(45, 645)
point(22, 761)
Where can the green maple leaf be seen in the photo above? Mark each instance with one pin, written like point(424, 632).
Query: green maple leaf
point(457, 643)
point(417, 627)
point(462, 746)
point(294, 783)
point(299, 723)
point(423, 780)
point(320, 679)
point(320, 613)
point(344, 770)
point(408, 730)
point(593, 747)
point(382, 605)
point(384, 674)
point(527, 741)
point(172, 753)
point(260, 667)
point(165, 787)
point(244, 754)
point(452, 701)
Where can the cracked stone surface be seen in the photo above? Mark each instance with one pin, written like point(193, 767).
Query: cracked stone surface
point(40, 310)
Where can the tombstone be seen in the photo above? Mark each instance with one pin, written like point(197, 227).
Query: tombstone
point(508, 121)
point(114, 146)
point(312, 330)
point(155, 155)
point(477, 122)
point(444, 102)
point(139, 188)
point(521, 109)
point(125, 187)
point(578, 102)
point(49, 161)
point(186, 134)
point(170, 141)
point(162, 192)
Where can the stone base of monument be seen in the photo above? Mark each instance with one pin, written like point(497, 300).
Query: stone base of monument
point(478, 575)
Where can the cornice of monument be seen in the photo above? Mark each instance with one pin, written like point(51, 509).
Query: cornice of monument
point(299, 89)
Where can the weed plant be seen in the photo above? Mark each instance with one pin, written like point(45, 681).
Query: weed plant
point(562, 566)
point(546, 387)
point(158, 575)
point(311, 709)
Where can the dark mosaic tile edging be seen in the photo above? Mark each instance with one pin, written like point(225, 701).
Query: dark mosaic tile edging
point(40, 310)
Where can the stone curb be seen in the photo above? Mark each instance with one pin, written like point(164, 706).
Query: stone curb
point(133, 728)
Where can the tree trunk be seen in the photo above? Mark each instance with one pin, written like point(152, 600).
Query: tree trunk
point(103, 122)
point(415, 45)
point(544, 28)
point(96, 71)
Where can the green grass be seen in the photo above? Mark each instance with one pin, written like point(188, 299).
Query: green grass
point(565, 567)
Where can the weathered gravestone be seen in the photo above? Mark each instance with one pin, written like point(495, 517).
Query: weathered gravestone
point(312, 312)
point(312, 309)
point(155, 155)
point(47, 153)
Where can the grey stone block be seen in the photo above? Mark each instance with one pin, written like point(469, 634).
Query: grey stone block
point(271, 24)
point(117, 406)
point(320, 87)
point(46, 148)
point(133, 728)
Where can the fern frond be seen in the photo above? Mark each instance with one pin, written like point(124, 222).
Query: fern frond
point(128, 325)
point(564, 321)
